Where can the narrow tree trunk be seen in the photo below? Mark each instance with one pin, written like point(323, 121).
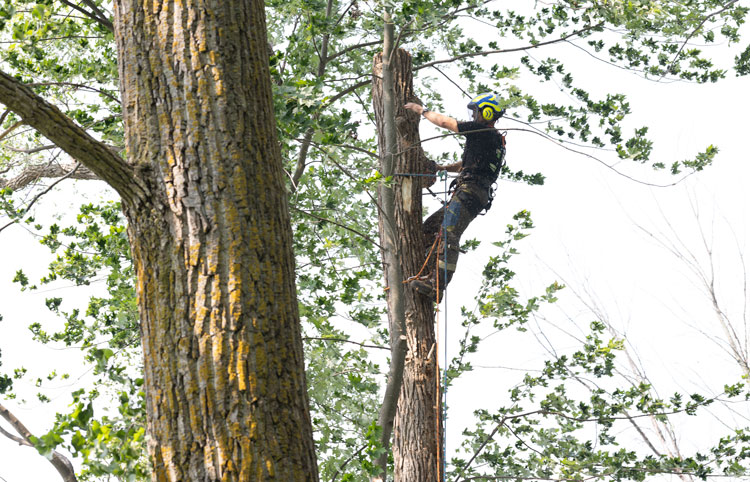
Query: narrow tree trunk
point(390, 252)
point(416, 426)
point(211, 242)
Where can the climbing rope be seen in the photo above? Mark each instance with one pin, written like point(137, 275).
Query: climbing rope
point(441, 396)
point(440, 393)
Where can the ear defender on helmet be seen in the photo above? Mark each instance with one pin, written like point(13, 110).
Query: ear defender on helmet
point(487, 106)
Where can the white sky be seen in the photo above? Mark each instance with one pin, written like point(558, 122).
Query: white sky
point(586, 232)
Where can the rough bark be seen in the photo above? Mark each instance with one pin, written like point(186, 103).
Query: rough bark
point(211, 243)
point(31, 174)
point(203, 191)
point(389, 249)
point(58, 460)
point(416, 426)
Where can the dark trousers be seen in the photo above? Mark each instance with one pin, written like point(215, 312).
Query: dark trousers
point(450, 222)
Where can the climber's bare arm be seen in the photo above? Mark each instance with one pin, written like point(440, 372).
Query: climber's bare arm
point(440, 120)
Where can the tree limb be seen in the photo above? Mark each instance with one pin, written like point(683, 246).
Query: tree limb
point(49, 121)
point(77, 86)
point(350, 48)
point(347, 91)
point(32, 173)
point(344, 340)
point(695, 31)
point(38, 196)
point(363, 236)
point(96, 14)
point(59, 461)
point(10, 129)
point(33, 150)
point(346, 462)
point(515, 49)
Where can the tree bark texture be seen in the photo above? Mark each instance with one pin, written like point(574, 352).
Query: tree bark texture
point(33, 173)
point(389, 248)
point(416, 432)
point(212, 245)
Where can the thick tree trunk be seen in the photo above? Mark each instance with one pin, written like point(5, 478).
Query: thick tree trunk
point(211, 244)
point(416, 426)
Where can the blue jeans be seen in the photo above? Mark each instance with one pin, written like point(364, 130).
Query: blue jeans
point(450, 222)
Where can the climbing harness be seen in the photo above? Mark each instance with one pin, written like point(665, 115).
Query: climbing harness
point(441, 403)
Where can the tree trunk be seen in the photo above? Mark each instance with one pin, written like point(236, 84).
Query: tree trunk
point(211, 243)
point(390, 249)
point(416, 426)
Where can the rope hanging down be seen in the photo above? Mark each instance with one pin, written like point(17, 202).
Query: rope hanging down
point(441, 396)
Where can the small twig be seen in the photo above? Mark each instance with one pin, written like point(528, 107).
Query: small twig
point(307, 213)
point(33, 150)
point(345, 462)
point(78, 86)
point(452, 82)
point(11, 128)
point(695, 31)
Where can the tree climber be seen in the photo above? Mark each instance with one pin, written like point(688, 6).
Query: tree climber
point(478, 169)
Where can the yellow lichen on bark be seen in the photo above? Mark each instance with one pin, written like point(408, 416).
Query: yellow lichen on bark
point(242, 351)
point(211, 244)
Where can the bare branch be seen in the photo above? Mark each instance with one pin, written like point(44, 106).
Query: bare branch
point(15, 438)
point(10, 129)
point(344, 340)
point(96, 14)
point(363, 236)
point(77, 86)
point(350, 48)
point(50, 170)
point(33, 150)
point(38, 196)
point(347, 91)
point(516, 49)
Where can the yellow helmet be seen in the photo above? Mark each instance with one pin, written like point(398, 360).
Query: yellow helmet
point(486, 106)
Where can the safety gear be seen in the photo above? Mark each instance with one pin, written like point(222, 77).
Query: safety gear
point(425, 286)
point(485, 107)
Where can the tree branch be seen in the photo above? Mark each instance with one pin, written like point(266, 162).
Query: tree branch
point(10, 129)
point(59, 461)
point(346, 462)
point(344, 340)
point(363, 236)
point(695, 31)
point(347, 91)
point(516, 49)
point(33, 150)
point(77, 86)
point(38, 196)
point(352, 47)
point(96, 14)
point(32, 173)
point(49, 121)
